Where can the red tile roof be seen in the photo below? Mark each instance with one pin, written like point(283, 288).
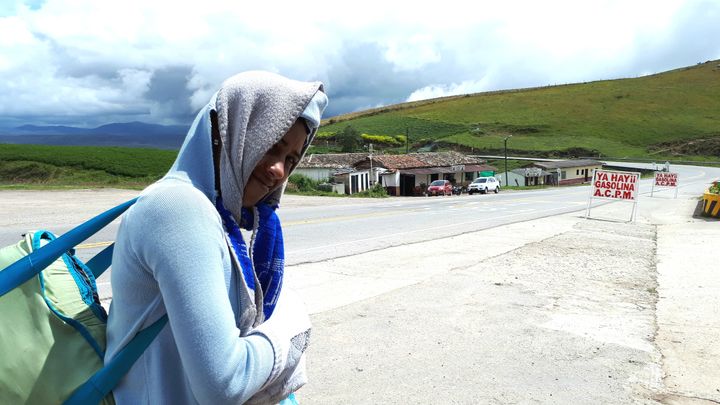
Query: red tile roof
point(331, 160)
point(393, 162)
point(429, 159)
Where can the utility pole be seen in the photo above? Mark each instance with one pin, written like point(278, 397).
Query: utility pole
point(559, 174)
point(372, 178)
point(407, 140)
point(506, 167)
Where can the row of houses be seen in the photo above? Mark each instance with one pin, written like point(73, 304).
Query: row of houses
point(401, 175)
point(409, 174)
point(562, 173)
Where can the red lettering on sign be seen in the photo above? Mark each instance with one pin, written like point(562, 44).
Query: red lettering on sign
point(615, 185)
point(666, 179)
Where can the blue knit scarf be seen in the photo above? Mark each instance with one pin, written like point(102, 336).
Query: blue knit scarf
point(268, 253)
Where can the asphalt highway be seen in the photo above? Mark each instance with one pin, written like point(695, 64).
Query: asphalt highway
point(322, 228)
point(319, 233)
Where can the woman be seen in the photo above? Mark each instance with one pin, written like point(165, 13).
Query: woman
point(233, 334)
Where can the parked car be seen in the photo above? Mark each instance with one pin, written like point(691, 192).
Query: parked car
point(440, 187)
point(483, 185)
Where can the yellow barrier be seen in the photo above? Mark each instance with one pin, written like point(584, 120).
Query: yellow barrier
point(711, 204)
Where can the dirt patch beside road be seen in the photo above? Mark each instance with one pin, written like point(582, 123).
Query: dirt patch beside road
point(689, 328)
point(688, 147)
point(555, 321)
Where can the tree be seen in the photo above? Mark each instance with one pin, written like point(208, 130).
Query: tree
point(349, 139)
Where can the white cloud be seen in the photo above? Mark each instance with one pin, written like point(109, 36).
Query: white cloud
point(412, 53)
point(69, 59)
point(444, 90)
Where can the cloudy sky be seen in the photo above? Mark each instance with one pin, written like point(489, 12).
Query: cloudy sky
point(90, 62)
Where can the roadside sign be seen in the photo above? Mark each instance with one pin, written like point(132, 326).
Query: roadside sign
point(665, 179)
point(616, 186)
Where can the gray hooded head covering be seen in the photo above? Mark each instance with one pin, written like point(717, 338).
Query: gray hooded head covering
point(255, 110)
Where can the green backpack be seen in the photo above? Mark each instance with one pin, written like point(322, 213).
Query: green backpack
point(52, 340)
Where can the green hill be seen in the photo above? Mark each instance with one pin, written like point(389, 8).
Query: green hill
point(666, 115)
point(87, 166)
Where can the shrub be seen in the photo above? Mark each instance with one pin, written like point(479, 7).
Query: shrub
point(349, 139)
point(715, 188)
point(27, 172)
point(326, 187)
point(383, 139)
point(301, 183)
point(376, 191)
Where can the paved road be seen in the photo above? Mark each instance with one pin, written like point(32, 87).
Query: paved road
point(318, 229)
point(321, 233)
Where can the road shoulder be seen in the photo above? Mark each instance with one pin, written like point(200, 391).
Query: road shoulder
point(536, 322)
point(687, 311)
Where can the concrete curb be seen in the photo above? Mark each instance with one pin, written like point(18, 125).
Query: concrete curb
point(711, 204)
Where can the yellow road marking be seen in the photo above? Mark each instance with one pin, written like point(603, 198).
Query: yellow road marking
point(359, 216)
point(93, 245)
point(291, 223)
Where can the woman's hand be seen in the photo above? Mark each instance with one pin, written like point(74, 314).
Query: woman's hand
point(288, 330)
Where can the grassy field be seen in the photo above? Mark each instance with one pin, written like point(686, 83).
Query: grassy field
point(58, 167)
point(40, 166)
point(652, 117)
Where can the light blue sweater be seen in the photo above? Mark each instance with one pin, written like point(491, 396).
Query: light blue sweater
point(171, 256)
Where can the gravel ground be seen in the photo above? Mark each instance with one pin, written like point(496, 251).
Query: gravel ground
point(566, 319)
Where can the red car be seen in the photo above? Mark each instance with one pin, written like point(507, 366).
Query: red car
point(440, 187)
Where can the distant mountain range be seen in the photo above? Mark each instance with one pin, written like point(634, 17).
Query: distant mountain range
point(130, 134)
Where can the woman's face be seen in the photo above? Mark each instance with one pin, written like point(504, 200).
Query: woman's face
point(274, 168)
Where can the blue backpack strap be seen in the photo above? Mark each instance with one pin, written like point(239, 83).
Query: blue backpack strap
point(101, 261)
point(105, 379)
point(30, 265)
